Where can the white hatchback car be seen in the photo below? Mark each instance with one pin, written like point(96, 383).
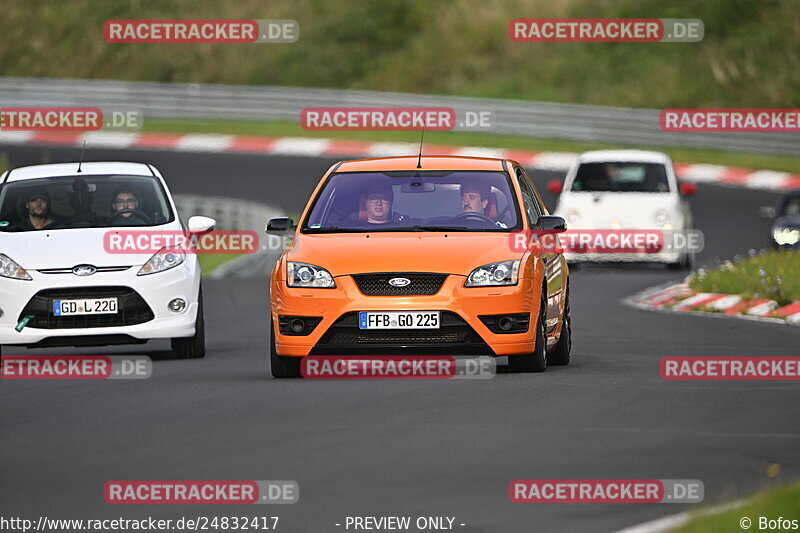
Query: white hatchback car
point(625, 190)
point(60, 286)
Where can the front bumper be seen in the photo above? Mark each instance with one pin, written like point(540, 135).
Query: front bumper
point(156, 290)
point(463, 306)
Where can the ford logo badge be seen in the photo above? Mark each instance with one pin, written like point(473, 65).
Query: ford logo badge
point(399, 282)
point(84, 270)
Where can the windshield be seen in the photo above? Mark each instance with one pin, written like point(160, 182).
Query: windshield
point(621, 177)
point(791, 207)
point(414, 201)
point(83, 202)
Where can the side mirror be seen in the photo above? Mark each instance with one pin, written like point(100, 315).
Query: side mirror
point(766, 212)
point(551, 223)
point(198, 224)
point(279, 226)
point(687, 188)
point(555, 186)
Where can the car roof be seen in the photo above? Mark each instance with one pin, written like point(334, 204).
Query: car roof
point(71, 169)
point(429, 162)
point(641, 156)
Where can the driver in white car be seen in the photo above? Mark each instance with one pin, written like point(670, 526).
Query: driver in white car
point(125, 202)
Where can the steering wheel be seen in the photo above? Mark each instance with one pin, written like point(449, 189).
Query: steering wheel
point(474, 216)
point(141, 215)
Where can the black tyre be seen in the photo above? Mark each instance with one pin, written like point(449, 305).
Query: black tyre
point(560, 354)
point(536, 361)
point(193, 347)
point(282, 367)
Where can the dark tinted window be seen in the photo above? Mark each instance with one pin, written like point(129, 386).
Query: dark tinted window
point(621, 177)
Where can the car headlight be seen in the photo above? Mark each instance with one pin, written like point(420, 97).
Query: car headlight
point(663, 220)
point(494, 274)
point(786, 236)
point(305, 275)
point(10, 269)
point(162, 260)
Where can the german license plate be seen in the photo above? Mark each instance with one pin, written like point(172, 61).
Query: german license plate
point(398, 320)
point(85, 306)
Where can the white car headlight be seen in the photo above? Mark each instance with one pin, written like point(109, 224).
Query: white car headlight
point(786, 236)
point(494, 274)
point(162, 260)
point(305, 275)
point(10, 269)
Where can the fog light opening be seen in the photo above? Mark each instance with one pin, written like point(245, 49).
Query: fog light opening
point(506, 323)
point(177, 305)
point(298, 325)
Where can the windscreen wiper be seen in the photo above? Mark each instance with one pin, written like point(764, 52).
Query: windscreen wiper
point(435, 228)
point(335, 229)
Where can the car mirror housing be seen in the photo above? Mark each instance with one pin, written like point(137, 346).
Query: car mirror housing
point(279, 226)
point(200, 224)
point(551, 223)
point(555, 186)
point(687, 189)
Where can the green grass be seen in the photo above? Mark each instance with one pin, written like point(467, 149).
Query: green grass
point(515, 142)
point(748, 57)
point(771, 504)
point(771, 275)
point(210, 262)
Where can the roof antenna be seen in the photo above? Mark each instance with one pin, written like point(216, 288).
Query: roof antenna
point(419, 160)
point(83, 149)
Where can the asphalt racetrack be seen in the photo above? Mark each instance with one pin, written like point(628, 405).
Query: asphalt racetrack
point(408, 447)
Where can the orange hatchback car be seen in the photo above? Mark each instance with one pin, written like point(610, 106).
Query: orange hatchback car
point(408, 256)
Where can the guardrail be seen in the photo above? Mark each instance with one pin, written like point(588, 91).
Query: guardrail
point(534, 119)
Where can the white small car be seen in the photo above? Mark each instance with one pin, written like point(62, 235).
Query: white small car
point(625, 190)
point(59, 283)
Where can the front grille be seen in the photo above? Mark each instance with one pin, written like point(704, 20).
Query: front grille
point(132, 309)
point(99, 270)
point(421, 283)
point(454, 332)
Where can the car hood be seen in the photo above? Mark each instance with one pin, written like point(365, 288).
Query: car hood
point(450, 253)
point(66, 248)
point(627, 210)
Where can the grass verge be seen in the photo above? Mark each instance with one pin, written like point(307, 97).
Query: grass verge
point(769, 504)
point(489, 140)
point(210, 262)
point(771, 275)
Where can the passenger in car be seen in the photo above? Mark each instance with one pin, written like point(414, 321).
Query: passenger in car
point(37, 211)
